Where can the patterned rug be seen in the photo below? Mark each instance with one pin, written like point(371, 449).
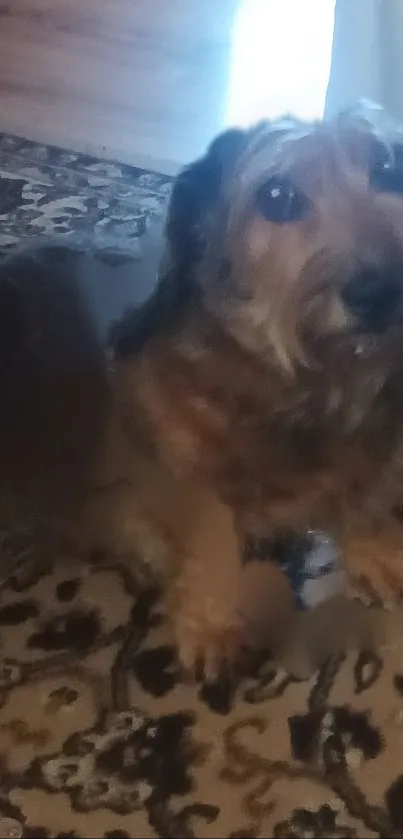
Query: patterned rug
point(99, 736)
point(50, 192)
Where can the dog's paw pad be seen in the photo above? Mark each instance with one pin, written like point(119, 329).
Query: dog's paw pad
point(211, 653)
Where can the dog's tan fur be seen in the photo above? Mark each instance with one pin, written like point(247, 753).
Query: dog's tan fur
point(247, 373)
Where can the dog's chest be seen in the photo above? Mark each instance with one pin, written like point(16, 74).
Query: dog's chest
point(265, 444)
point(296, 456)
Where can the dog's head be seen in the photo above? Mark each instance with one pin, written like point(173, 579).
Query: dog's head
point(294, 234)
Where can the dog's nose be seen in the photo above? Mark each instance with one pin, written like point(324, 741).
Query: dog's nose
point(373, 296)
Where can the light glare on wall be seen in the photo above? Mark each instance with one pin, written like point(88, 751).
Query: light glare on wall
point(280, 59)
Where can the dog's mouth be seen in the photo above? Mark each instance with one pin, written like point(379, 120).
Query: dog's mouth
point(371, 335)
point(365, 345)
point(373, 297)
point(347, 334)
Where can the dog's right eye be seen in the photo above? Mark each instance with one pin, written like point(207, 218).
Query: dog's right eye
point(280, 202)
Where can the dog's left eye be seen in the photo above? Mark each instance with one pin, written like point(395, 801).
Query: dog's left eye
point(386, 169)
point(280, 202)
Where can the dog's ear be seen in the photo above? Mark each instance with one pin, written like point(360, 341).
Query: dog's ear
point(195, 196)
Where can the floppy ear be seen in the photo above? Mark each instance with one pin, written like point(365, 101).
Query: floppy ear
point(195, 195)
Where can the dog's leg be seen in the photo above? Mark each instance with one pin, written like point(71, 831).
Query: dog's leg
point(373, 558)
point(188, 539)
point(210, 631)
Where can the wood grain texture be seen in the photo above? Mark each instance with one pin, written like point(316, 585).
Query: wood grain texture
point(143, 81)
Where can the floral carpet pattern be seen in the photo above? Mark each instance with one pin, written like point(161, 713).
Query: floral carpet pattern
point(99, 733)
point(52, 192)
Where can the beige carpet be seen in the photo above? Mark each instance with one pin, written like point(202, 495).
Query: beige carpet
point(98, 734)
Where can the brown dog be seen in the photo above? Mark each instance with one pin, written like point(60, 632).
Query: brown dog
point(268, 365)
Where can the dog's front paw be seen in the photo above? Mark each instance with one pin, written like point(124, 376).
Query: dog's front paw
point(210, 651)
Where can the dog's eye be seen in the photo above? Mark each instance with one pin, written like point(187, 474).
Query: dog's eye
point(386, 168)
point(279, 201)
